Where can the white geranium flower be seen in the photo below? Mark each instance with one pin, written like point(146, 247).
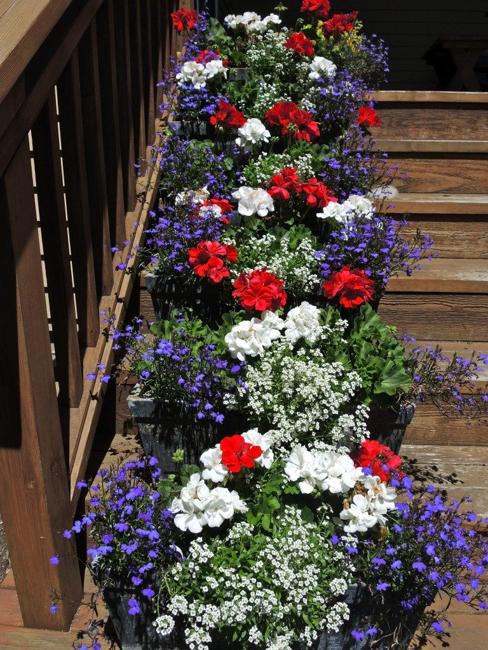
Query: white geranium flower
point(264, 441)
point(354, 206)
point(342, 474)
point(252, 132)
point(360, 204)
point(302, 464)
point(381, 496)
point(214, 67)
point(253, 201)
point(271, 19)
point(189, 507)
point(322, 68)
point(303, 322)
point(221, 505)
point(193, 73)
point(195, 196)
point(358, 515)
point(212, 461)
point(250, 338)
point(247, 19)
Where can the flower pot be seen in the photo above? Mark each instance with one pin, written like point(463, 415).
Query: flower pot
point(388, 426)
point(238, 74)
point(135, 632)
point(167, 294)
point(164, 428)
point(195, 130)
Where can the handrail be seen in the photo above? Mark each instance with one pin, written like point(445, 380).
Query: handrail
point(24, 25)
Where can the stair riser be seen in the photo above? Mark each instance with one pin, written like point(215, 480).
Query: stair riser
point(454, 236)
point(438, 317)
point(450, 175)
point(431, 427)
point(448, 122)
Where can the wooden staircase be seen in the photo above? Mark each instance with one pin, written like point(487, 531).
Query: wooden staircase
point(439, 143)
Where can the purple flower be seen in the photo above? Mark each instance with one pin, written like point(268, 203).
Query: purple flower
point(54, 560)
point(134, 607)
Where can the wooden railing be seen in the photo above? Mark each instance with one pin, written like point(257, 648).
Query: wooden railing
point(78, 107)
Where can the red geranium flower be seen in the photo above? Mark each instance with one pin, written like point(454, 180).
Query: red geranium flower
point(184, 19)
point(260, 290)
point(225, 207)
point(320, 7)
point(351, 286)
point(283, 183)
point(290, 118)
point(367, 116)
point(228, 115)
point(317, 194)
point(207, 260)
point(380, 459)
point(207, 55)
point(340, 23)
point(237, 453)
point(300, 44)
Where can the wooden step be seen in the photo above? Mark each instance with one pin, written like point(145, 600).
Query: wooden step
point(430, 96)
point(442, 173)
point(444, 275)
point(455, 236)
point(439, 203)
point(429, 145)
point(469, 463)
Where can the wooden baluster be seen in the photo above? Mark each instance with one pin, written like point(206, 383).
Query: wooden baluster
point(33, 478)
point(77, 199)
point(138, 108)
point(50, 193)
point(123, 54)
point(95, 158)
point(111, 123)
point(150, 69)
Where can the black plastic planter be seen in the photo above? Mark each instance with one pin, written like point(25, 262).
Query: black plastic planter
point(388, 426)
point(163, 429)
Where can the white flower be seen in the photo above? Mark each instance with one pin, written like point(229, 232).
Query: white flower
point(246, 20)
point(251, 337)
point(354, 206)
point(164, 624)
point(252, 132)
point(264, 441)
point(381, 496)
point(303, 322)
point(193, 73)
point(342, 474)
point(253, 201)
point(322, 68)
point(215, 67)
point(358, 515)
point(271, 19)
point(214, 210)
point(212, 461)
point(194, 196)
point(189, 507)
point(221, 505)
point(302, 464)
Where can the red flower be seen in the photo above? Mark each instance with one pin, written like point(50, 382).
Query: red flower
point(283, 183)
point(207, 260)
point(380, 459)
point(184, 19)
point(206, 55)
point(367, 117)
point(320, 7)
point(228, 115)
point(317, 194)
point(340, 23)
point(260, 290)
point(292, 119)
point(237, 453)
point(225, 207)
point(300, 44)
point(352, 287)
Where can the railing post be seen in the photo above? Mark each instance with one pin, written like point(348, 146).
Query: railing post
point(33, 478)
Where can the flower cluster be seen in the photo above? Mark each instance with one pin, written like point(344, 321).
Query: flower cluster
point(259, 290)
point(208, 259)
point(293, 121)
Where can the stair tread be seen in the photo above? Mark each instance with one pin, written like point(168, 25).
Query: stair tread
point(438, 203)
point(462, 348)
point(470, 463)
point(445, 275)
point(437, 96)
point(433, 145)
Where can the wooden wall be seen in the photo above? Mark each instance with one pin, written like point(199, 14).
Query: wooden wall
point(409, 27)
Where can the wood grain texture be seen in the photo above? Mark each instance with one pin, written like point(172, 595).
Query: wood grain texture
point(448, 317)
point(453, 235)
point(452, 175)
point(33, 480)
point(445, 275)
point(430, 96)
point(438, 204)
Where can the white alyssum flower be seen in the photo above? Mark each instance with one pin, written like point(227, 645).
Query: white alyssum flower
point(250, 338)
point(164, 624)
point(353, 207)
point(253, 201)
point(322, 68)
point(265, 442)
point(303, 322)
point(192, 73)
point(252, 132)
